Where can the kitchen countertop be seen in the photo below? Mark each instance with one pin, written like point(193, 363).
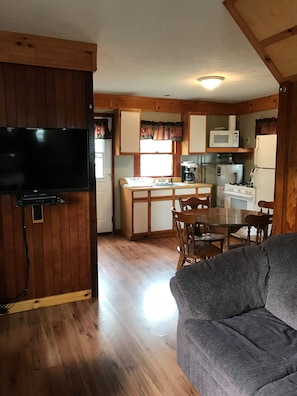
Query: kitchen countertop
point(165, 186)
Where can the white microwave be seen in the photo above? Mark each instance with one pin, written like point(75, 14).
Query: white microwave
point(223, 138)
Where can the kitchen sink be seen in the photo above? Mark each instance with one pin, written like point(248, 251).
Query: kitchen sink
point(164, 184)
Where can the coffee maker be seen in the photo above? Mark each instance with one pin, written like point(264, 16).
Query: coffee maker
point(188, 169)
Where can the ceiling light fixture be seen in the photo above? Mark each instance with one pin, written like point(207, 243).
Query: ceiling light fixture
point(211, 82)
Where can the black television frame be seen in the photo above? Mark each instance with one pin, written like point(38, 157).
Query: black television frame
point(38, 188)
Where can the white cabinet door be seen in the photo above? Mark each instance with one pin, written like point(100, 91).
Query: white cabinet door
point(140, 217)
point(130, 131)
point(197, 133)
point(161, 216)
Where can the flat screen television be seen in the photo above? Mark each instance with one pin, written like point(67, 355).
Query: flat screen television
point(43, 160)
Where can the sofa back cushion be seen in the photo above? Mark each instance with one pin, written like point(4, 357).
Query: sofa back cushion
point(225, 285)
point(281, 298)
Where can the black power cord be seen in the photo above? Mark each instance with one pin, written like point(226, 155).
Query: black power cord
point(7, 303)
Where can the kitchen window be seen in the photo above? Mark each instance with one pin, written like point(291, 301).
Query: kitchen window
point(156, 157)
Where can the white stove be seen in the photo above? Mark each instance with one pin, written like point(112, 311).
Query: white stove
point(240, 189)
point(239, 196)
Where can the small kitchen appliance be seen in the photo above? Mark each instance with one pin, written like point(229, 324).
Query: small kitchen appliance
point(223, 138)
point(188, 169)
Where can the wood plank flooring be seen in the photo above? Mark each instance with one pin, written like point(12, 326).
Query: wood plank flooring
point(124, 343)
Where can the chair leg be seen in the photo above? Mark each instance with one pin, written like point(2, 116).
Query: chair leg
point(222, 245)
point(181, 262)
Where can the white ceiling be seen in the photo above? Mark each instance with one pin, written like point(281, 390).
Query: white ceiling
point(152, 48)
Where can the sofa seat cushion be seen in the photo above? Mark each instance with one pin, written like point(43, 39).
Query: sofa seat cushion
point(245, 352)
point(285, 386)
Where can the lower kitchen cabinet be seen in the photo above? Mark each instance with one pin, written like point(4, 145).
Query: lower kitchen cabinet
point(146, 212)
point(185, 192)
point(161, 217)
point(140, 218)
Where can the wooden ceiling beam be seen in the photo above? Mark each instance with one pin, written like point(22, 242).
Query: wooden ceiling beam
point(239, 19)
point(27, 49)
point(278, 37)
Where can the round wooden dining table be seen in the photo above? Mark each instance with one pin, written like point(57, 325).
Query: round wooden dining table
point(225, 221)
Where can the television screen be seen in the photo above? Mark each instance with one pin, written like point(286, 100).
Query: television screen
point(36, 160)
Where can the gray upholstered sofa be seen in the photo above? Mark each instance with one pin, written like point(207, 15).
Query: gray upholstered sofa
point(237, 326)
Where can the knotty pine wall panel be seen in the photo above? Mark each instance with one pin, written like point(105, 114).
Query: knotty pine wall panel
point(2, 96)
point(111, 101)
point(41, 97)
point(31, 97)
point(285, 212)
point(51, 97)
point(58, 248)
point(11, 248)
point(38, 91)
point(61, 249)
point(10, 96)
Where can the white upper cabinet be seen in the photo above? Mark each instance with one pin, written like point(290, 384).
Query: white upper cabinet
point(127, 131)
point(194, 134)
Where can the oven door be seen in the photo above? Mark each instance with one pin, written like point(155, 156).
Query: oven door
point(238, 200)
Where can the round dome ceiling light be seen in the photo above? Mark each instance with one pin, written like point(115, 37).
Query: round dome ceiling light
point(211, 82)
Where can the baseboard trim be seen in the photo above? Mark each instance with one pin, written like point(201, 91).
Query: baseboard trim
point(27, 305)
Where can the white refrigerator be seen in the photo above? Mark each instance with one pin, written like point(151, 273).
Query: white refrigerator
point(263, 174)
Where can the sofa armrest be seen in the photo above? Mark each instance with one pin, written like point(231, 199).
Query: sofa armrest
point(226, 285)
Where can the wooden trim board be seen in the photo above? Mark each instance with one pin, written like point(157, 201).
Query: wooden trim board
point(35, 303)
point(27, 49)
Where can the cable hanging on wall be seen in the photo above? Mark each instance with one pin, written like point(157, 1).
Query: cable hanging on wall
point(6, 303)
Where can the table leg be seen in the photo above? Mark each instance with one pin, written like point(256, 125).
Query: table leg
point(227, 239)
point(226, 232)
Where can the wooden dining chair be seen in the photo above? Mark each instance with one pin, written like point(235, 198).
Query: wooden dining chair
point(202, 232)
point(190, 250)
point(261, 224)
point(267, 207)
point(193, 203)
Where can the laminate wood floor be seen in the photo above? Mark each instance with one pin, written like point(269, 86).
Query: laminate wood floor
point(124, 343)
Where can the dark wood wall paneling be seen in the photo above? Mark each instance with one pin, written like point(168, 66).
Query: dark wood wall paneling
point(62, 249)
point(41, 97)
point(286, 163)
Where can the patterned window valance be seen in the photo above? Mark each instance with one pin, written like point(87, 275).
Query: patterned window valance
point(161, 130)
point(266, 126)
point(101, 129)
